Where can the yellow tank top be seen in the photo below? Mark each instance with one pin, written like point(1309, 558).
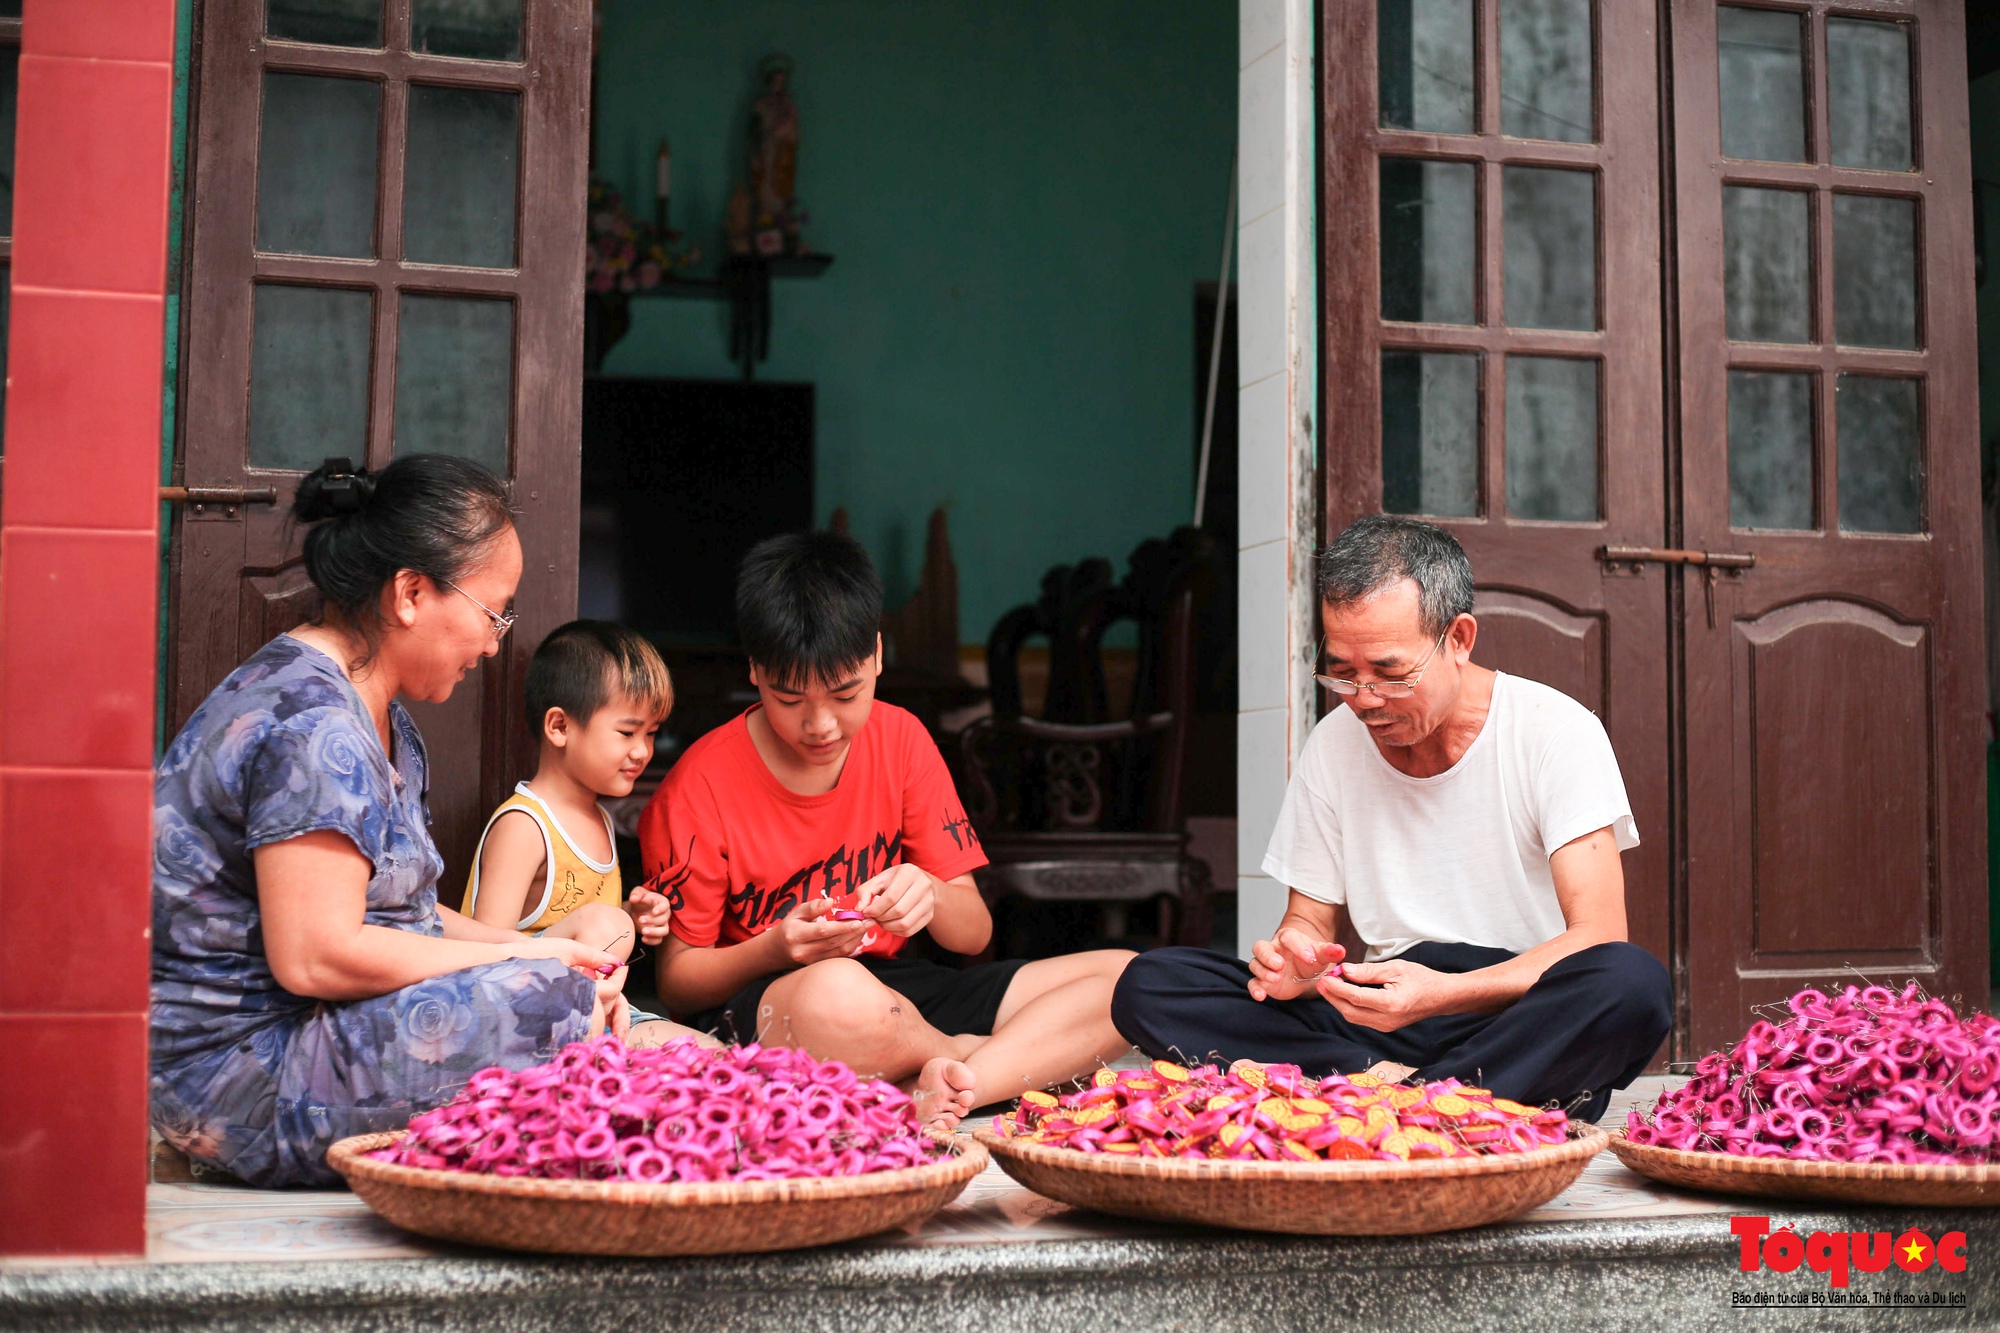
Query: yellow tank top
point(570, 879)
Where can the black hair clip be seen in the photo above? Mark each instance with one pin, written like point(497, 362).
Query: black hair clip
point(345, 488)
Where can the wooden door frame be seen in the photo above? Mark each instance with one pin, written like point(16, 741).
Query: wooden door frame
point(545, 286)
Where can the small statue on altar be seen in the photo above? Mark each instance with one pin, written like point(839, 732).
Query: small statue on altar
point(765, 216)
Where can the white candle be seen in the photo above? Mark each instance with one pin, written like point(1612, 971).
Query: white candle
point(663, 184)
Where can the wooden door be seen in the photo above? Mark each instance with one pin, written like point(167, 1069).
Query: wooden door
point(1834, 696)
point(1493, 357)
point(385, 255)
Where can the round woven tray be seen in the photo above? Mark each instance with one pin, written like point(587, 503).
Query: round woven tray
point(1311, 1198)
point(619, 1217)
point(1786, 1178)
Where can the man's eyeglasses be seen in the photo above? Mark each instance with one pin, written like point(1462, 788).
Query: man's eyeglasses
point(1402, 687)
point(501, 623)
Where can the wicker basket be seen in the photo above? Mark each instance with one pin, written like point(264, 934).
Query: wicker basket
point(1787, 1178)
point(618, 1217)
point(1312, 1198)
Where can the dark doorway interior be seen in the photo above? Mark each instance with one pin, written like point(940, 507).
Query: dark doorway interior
point(680, 478)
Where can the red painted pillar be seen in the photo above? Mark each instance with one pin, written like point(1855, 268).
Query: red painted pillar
point(79, 571)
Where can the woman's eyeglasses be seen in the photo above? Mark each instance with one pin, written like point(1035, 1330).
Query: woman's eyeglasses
point(501, 623)
point(1402, 687)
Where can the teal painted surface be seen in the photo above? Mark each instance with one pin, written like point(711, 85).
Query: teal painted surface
point(170, 373)
point(1019, 198)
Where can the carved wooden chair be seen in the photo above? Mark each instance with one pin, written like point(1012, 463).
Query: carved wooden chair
point(1075, 805)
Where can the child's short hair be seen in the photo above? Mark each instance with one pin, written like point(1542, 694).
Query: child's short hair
point(808, 606)
point(580, 664)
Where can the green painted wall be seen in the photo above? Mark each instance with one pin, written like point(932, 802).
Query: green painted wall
point(1019, 198)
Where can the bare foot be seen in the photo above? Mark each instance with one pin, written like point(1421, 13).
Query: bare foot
point(942, 1091)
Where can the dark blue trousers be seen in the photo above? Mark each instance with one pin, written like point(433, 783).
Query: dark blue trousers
point(1588, 1026)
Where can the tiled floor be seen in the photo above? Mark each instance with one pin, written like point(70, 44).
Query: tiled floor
point(196, 1223)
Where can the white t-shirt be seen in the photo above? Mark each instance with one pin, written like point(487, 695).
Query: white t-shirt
point(1462, 857)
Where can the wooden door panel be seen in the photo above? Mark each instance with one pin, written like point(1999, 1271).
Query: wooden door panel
point(237, 583)
point(1548, 608)
point(452, 733)
point(1537, 637)
point(1834, 720)
point(1821, 730)
point(272, 604)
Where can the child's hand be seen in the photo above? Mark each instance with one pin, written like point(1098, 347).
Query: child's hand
point(650, 913)
point(810, 935)
point(903, 898)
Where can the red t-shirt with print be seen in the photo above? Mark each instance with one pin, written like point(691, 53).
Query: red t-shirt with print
point(734, 849)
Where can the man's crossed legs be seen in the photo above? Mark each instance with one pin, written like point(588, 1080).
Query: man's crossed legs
point(1589, 1025)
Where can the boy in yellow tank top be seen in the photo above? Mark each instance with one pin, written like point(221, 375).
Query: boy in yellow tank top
point(547, 863)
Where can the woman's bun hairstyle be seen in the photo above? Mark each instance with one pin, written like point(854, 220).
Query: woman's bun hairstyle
point(334, 487)
point(432, 514)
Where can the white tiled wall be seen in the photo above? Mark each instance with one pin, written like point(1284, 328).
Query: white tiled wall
point(1277, 375)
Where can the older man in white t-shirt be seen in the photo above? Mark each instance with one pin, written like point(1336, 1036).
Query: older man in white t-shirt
point(1469, 824)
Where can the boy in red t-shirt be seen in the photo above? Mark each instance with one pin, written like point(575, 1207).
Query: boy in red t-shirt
point(803, 842)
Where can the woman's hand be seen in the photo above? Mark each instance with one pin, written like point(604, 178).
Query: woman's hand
point(591, 962)
point(902, 898)
point(1284, 968)
point(807, 935)
point(617, 1011)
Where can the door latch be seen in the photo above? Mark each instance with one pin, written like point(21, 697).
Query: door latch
point(225, 498)
point(1631, 559)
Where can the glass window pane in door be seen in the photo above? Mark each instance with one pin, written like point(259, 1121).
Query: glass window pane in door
point(1552, 438)
point(316, 163)
point(1545, 70)
point(1868, 94)
point(455, 377)
point(1430, 433)
point(1879, 422)
point(1767, 264)
point(1770, 450)
point(462, 176)
point(1760, 68)
point(1549, 238)
point(1874, 271)
point(1430, 240)
point(309, 359)
point(1423, 62)
point(10, 98)
point(326, 22)
point(479, 29)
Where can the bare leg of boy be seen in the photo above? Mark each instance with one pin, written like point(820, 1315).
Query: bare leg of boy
point(605, 927)
point(660, 1031)
point(600, 925)
point(1054, 1025)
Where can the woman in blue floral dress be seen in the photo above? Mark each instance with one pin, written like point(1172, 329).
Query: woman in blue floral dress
point(306, 983)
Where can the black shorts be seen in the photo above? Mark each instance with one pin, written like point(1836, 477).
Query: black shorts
point(952, 1000)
